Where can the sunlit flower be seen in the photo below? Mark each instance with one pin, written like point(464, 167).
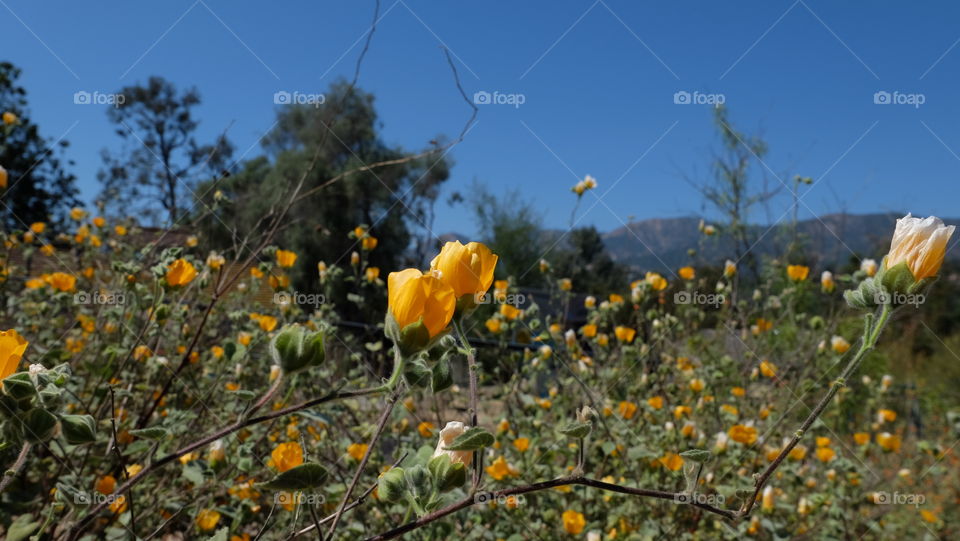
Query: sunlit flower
point(357, 450)
point(38, 227)
point(656, 281)
point(825, 454)
point(671, 461)
point(215, 260)
point(655, 402)
point(625, 334)
point(886, 416)
point(589, 330)
point(766, 500)
point(687, 273)
point(425, 428)
point(493, 325)
point(106, 485)
point(565, 284)
point(768, 369)
point(180, 273)
point(9, 118)
point(468, 269)
point(77, 213)
point(869, 267)
point(207, 519)
point(888, 442)
point(12, 348)
point(627, 409)
point(62, 281)
point(509, 312)
point(921, 244)
point(522, 444)
point(500, 469)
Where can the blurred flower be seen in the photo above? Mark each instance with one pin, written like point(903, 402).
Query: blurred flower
point(797, 273)
point(826, 282)
point(671, 461)
point(192, 241)
point(499, 469)
point(825, 454)
point(493, 325)
point(4, 177)
point(573, 521)
point(768, 369)
point(869, 267)
point(357, 450)
point(589, 330)
point(657, 282)
point(215, 260)
point(426, 428)
point(746, 435)
point(522, 444)
point(888, 442)
point(886, 416)
point(729, 268)
point(509, 312)
point(372, 274)
point(565, 284)
point(77, 214)
point(286, 258)
point(655, 402)
point(625, 334)
point(38, 227)
point(207, 519)
point(12, 348)
point(687, 273)
point(862, 438)
point(626, 409)
point(106, 485)
point(590, 302)
point(286, 456)
point(766, 501)
point(839, 344)
point(368, 243)
point(9, 118)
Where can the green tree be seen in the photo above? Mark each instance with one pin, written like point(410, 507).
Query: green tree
point(155, 173)
point(39, 189)
point(511, 226)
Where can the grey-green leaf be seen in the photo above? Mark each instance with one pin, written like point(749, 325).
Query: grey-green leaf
point(474, 438)
point(304, 476)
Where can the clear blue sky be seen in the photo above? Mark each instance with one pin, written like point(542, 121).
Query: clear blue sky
point(598, 79)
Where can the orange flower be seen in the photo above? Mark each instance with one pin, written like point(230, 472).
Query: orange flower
point(415, 297)
point(573, 522)
point(208, 519)
point(625, 334)
point(357, 450)
point(746, 435)
point(12, 347)
point(62, 281)
point(797, 273)
point(671, 461)
point(687, 273)
point(656, 402)
point(180, 273)
point(286, 456)
point(468, 269)
point(522, 444)
point(286, 258)
point(627, 409)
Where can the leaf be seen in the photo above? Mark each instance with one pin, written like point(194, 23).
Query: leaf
point(442, 377)
point(576, 430)
point(21, 527)
point(150, 433)
point(304, 476)
point(221, 535)
point(471, 440)
point(700, 456)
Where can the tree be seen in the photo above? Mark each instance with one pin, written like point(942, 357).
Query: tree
point(155, 174)
point(39, 189)
point(511, 226)
point(585, 260)
point(393, 201)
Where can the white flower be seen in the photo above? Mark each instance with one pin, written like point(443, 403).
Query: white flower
point(920, 243)
point(868, 266)
point(447, 435)
point(37, 368)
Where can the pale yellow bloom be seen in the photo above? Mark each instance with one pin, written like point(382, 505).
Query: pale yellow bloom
point(921, 244)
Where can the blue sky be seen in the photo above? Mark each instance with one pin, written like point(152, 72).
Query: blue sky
point(598, 81)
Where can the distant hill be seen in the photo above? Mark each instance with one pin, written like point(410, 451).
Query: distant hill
point(662, 243)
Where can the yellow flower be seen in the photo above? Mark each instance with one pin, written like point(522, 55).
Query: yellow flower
point(180, 273)
point(62, 281)
point(467, 269)
point(415, 297)
point(697, 385)
point(615, 299)
point(589, 302)
point(256, 272)
point(244, 338)
point(9, 118)
point(77, 213)
point(99, 221)
point(825, 454)
point(839, 345)
point(192, 241)
point(522, 444)
point(38, 227)
point(687, 273)
point(656, 402)
point(797, 273)
point(106, 485)
point(862, 438)
point(920, 243)
point(426, 429)
point(729, 268)
point(286, 258)
point(657, 282)
point(372, 274)
point(746, 435)
point(625, 334)
point(761, 326)
point(889, 442)
point(368, 243)
point(12, 347)
point(119, 506)
point(589, 330)
point(739, 392)
point(4, 176)
point(766, 501)
point(886, 416)
point(357, 450)
point(493, 325)
point(217, 351)
point(47, 249)
point(215, 260)
point(510, 312)
point(267, 323)
point(500, 469)
point(671, 461)
point(208, 519)
point(565, 284)
point(768, 369)
point(680, 411)
point(929, 516)
point(627, 409)
point(120, 230)
point(869, 267)
point(573, 521)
